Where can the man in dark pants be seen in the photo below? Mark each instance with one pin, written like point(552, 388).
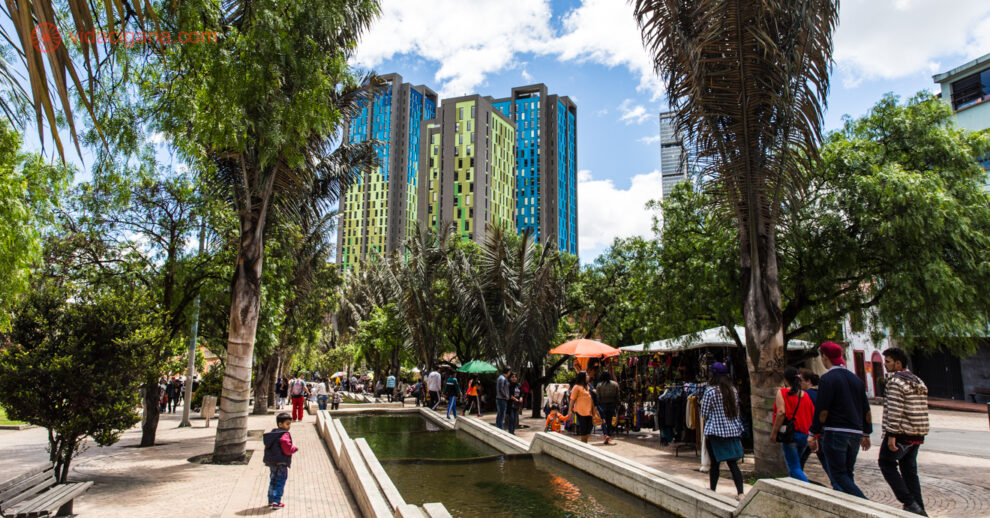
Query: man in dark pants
point(842, 419)
point(905, 424)
point(502, 397)
point(608, 399)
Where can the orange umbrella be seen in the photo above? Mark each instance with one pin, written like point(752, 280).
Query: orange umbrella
point(584, 348)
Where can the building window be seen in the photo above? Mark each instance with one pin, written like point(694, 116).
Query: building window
point(460, 113)
point(971, 90)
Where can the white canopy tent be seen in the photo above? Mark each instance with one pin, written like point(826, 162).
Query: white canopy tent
point(714, 337)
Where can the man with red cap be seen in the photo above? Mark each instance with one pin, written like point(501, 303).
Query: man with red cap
point(842, 419)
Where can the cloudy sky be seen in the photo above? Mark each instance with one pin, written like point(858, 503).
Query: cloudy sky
point(591, 51)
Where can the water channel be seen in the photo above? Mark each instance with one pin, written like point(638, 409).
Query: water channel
point(430, 464)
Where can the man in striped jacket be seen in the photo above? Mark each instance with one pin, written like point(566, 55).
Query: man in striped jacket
point(905, 424)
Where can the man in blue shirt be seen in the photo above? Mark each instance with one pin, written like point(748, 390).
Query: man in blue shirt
point(842, 419)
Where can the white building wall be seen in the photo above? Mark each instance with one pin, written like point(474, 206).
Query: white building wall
point(872, 358)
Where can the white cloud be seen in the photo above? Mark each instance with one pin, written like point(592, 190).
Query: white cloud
point(526, 75)
point(468, 38)
point(633, 114)
point(157, 138)
point(606, 212)
point(649, 140)
point(603, 111)
point(605, 32)
point(889, 39)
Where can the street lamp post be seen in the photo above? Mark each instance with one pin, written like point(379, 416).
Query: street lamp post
point(193, 332)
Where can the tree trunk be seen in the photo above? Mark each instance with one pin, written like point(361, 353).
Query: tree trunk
point(536, 393)
point(149, 425)
point(245, 299)
point(263, 384)
point(764, 338)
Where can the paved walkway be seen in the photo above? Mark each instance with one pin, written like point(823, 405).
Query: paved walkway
point(159, 481)
point(954, 485)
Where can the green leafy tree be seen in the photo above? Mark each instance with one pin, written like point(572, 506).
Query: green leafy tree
point(262, 110)
point(616, 297)
point(890, 223)
point(748, 81)
point(894, 222)
point(73, 363)
point(380, 340)
point(515, 298)
point(30, 188)
point(134, 225)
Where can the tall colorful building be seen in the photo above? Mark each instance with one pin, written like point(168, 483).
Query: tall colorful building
point(467, 168)
point(546, 164)
point(379, 211)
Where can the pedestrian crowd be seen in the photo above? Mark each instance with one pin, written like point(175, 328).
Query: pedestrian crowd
point(827, 415)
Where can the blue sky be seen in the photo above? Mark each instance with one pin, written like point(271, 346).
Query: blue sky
point(591, 51)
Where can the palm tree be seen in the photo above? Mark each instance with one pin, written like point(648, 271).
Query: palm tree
point(310, 253)
point(263, 110)
point(748, 81)
point(514, 299)
point(37, 38)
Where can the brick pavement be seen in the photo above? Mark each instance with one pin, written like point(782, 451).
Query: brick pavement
point(159, 481)
point(314, 487)
point(953, 485)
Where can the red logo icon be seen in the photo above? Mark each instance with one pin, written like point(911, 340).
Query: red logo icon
point(46, 38)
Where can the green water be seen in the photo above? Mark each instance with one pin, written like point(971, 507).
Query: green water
point(471, 479)
point(364, 424)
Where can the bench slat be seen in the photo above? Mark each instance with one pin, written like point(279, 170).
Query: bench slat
point(29, 492)
point(26, 484)
point(42, 504)
point(74, 489)
point(10, 481)
point(29, 507)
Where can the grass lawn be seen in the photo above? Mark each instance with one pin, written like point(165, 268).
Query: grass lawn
point(4, 420)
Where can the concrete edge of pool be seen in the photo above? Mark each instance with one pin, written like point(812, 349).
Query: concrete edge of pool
point(770, 498)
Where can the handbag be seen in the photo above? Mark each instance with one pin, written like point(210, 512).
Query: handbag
point(786, 432)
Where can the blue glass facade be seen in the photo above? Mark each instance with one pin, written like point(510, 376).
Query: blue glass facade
point(554, 219)
point(528, 165)
point(377, 202)
point(572, 231)
point(382, 129)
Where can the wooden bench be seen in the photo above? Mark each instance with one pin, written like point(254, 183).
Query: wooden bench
point(980, 391)
point(35, 493)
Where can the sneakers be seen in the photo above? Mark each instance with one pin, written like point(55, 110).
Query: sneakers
point(913, 507)
point(278, 505)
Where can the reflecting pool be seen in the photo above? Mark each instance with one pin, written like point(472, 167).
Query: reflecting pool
point(431, 464)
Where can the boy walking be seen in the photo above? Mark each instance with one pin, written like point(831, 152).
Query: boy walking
point(905, 424)
point(278, 458)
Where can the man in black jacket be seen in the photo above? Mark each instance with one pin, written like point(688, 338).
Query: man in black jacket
point(842, 419)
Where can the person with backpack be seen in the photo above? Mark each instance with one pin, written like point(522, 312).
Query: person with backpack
point(278, 457)
point(452, 389)
point(299, 393)
point(905, 425)
point(608, 400)
point(792, 414)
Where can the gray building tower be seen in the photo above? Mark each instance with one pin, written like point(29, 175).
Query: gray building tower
point(674, 157)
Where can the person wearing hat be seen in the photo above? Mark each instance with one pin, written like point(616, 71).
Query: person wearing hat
point(723, 427)
point(842, 423)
